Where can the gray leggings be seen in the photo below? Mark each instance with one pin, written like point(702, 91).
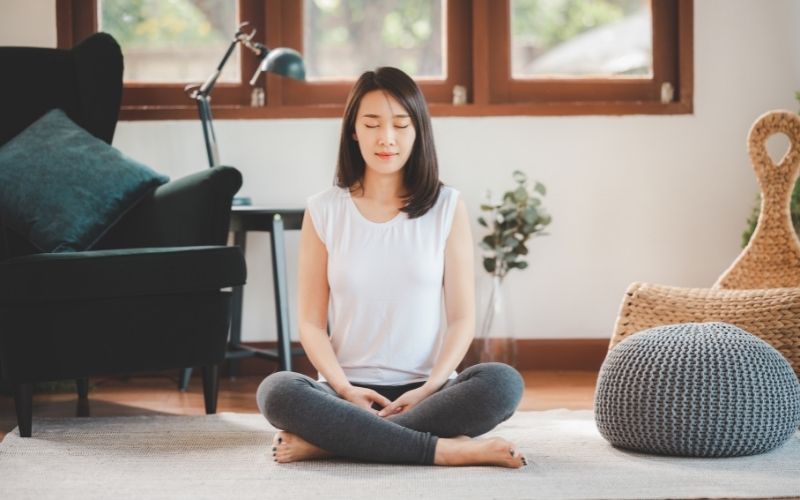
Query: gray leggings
point(471, 404)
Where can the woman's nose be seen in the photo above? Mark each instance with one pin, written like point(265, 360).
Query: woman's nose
point(387, 137)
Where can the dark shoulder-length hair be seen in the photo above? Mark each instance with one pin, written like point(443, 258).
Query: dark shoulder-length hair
point(421, 171)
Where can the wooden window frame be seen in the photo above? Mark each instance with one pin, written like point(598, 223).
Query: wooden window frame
point(77, 19)
point(333, 93)
point(672, 63)
point(478, 57)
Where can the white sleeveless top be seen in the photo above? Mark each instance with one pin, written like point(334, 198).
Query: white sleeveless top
point(386, 281)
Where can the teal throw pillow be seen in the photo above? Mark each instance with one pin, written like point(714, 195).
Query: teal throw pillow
point(62, 188)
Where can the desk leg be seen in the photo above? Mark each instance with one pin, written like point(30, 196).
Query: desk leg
point(237, 300)
point(281, 293)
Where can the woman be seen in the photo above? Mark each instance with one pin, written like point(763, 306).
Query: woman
point(378, 249)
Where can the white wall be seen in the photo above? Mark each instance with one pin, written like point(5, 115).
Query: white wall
point(633, 198)
point(28, 23)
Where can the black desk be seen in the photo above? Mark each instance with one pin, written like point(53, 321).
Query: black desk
point(274, 221)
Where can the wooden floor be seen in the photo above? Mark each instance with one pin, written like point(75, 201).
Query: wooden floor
point(152, 395)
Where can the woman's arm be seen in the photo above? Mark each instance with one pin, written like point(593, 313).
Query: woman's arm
point(312, 302)
point(459, 300)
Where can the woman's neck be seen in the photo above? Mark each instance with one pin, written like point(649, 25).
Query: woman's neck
point(382, 188)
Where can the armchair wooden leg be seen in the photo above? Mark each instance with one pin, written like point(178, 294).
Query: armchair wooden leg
point(183, 379)
point(210, 387)
point(23, 402)
point(82, 384)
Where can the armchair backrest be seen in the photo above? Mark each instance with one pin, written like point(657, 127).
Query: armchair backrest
point(85, 82)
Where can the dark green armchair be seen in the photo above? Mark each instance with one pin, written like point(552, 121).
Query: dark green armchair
point(151, 294)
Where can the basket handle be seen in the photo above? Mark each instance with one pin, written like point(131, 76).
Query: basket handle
point(775, 179)
point(772, 257)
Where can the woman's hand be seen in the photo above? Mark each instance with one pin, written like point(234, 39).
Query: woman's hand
point(405, 402)
point(363, 398)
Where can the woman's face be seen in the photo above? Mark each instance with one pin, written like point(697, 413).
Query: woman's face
point(384, 132)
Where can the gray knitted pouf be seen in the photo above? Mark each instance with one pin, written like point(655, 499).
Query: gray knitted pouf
point(697, 389)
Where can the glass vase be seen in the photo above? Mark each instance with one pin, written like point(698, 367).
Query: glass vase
point(495, 337)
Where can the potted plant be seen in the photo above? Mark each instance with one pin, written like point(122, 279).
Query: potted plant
point(511, 222)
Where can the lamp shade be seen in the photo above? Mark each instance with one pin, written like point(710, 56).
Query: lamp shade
point(285, 62)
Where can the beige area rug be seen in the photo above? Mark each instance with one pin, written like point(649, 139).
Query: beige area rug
point(228, 456)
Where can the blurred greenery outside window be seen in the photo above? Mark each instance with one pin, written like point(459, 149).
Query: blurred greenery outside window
point(344, 38)
point(181, 40)
point(170, 43)
point(581, 38)
point(172, 40)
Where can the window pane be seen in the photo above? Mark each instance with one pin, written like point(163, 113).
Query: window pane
point(581, 38)
point(172, 40)
point(344, 38)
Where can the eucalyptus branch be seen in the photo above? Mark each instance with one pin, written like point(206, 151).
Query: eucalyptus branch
point(511, 222)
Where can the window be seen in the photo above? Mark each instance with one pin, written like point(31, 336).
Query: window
point(171, 41)
point(166, 46)
point(631, 72)
point(506, 57)
point(567, 38)
point(339, 38)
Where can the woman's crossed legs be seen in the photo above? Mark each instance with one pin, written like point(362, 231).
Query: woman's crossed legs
point(316, 422)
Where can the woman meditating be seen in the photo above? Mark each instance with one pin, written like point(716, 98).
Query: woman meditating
point(379, 251)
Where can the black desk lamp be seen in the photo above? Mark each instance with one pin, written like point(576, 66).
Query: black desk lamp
point(281, 61)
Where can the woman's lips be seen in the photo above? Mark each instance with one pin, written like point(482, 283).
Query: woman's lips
point(385, 156)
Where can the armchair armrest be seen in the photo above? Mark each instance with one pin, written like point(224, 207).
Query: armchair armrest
point(120, 273)
point(193, 210)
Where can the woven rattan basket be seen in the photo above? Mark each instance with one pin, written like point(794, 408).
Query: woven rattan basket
point(759, 291)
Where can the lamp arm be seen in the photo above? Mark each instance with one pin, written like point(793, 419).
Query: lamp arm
point(208, 85)
point(204, 110)
point(202, 96)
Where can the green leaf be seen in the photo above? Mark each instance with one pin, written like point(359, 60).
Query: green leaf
point(529, 215)
point(519, 177)
point(521, 195)
point(489, 240)
point(489, 264)
point(510, 242)
point(482, 222)
point(521, 264)
point(539, 188)
point(487, 208)
point(502, 227)
point(545, 219)
point(508, 232)
point(483, 245)
point(522, 249)
point(509, 211)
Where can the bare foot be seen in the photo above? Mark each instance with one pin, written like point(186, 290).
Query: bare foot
point(288, 447)
point(493, 451)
